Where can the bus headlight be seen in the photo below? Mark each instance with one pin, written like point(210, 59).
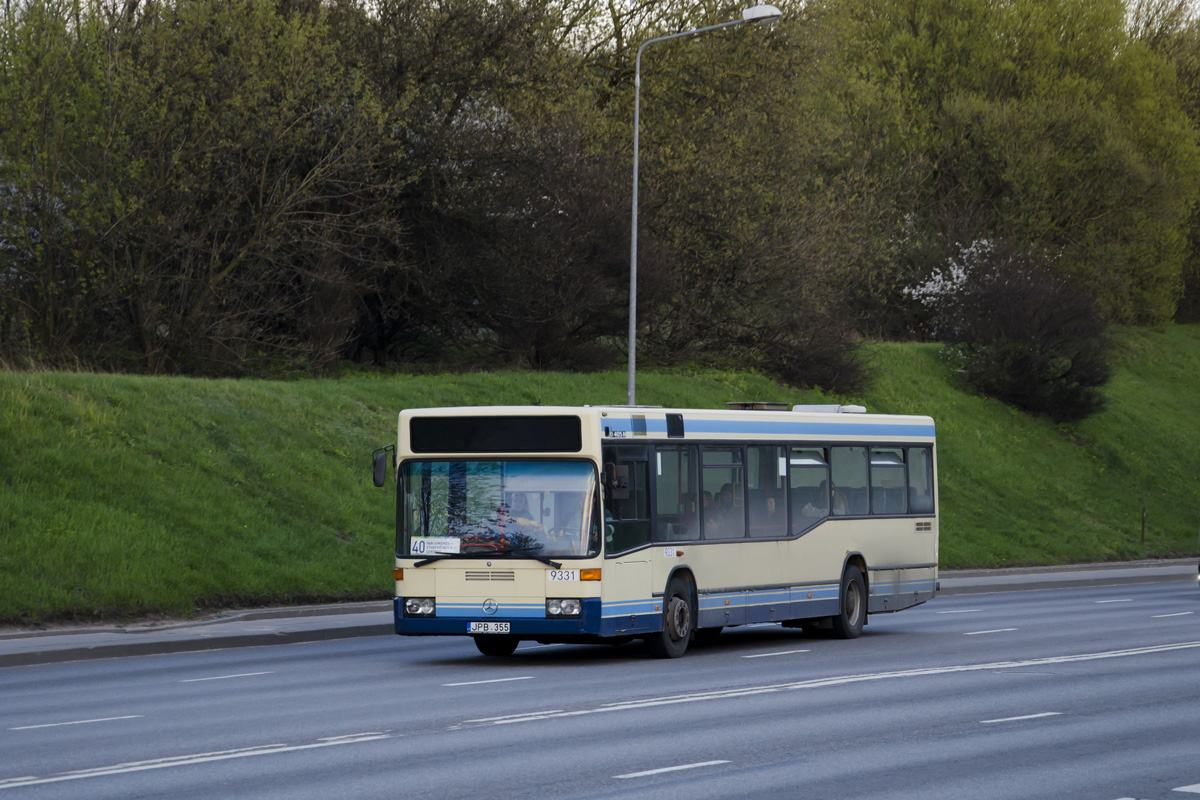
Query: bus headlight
point(568, 607)
point(419, 607)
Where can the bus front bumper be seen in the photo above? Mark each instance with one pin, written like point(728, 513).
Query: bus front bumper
point(523, 622)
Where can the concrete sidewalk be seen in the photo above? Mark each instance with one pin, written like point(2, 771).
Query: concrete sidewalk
point(256, 627)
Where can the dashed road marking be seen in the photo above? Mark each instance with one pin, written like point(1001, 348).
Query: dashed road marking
point(75, 722)
point(781, 653)
point(227, 677)
point(494, 680)
point(670, 769)
point(1018, 719)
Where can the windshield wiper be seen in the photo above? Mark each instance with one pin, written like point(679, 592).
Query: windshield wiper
point(529, 551)
point(432, 559)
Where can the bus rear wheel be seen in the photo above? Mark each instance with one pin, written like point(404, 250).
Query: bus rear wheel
point(672, 641)
point(852, 605)
point(496, 645)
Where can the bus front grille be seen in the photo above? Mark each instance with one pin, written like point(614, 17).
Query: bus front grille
point(491, 575)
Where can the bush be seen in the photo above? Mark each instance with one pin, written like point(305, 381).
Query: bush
point(1018, 332)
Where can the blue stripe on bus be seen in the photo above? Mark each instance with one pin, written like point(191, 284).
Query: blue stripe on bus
point(504, 612)
point(799, 428)
point(767, 597)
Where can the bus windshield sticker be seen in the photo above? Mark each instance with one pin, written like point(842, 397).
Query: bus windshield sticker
point(435, 545)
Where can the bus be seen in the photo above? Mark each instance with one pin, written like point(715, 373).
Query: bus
point(615, 523)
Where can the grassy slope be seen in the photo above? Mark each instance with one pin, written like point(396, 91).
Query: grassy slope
point(126, 495)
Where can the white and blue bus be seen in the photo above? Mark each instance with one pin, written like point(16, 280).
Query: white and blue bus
point(595, 524)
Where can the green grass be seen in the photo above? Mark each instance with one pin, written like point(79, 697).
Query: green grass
point(126, 496)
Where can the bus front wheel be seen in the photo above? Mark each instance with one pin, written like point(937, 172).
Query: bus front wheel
point(496, 645)
point(672, 641)
point(852, 605)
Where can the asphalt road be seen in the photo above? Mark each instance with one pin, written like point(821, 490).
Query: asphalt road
point(1088, 692)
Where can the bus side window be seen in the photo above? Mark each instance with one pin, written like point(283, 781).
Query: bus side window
point(808, 486)
point(849, 481)
point(722, 479)
point(627, 510)
point(676, 503)
point(920, 480)
point(766, 500)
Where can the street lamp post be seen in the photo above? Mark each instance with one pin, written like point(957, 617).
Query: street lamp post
point(760, 13)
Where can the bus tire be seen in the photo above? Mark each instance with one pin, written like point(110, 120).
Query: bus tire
point(852, 605)
point(672, 641)
point(496, 645)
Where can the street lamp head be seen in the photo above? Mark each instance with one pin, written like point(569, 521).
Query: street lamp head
point(762, 13)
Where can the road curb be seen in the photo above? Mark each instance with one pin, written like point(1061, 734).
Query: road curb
point(950, 590)
point(190, 645)
point(1022, 579)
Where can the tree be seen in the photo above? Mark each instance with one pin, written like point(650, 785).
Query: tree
point(56, 151)
point(1171, 29)
point(252, 155)
point(1047, 124)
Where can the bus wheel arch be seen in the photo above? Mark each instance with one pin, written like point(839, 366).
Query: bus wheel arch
point(678, 617)
point(852, 599)
point(858, 560)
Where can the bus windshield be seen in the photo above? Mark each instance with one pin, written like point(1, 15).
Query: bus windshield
point(489, 508)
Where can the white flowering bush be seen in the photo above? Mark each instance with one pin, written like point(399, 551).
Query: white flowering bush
point(1017, 331)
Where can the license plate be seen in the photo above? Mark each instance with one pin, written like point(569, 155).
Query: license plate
point(487, 627)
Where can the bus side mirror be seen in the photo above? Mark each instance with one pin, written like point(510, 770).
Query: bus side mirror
point(379, 464)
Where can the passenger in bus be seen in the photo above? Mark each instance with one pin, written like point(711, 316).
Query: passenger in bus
point(728, 515)
point(725, 498)
point(771, 514)
point(838, 505)
point(819, 508)
point(707, 516)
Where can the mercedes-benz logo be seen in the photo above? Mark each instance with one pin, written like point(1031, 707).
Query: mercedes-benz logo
point(490, 606)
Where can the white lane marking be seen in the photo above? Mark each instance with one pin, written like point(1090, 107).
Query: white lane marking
point(997, 630)
point(1176, 614)
point(516, 716)
point(781, 653)
point(180, 761)
point(960, 611)
point(356, 736)
point(843, 680)
point(494, 680)
point(75, 722)
point(1018, 719)
point(541, 647)
point(226, 677)
point(1126, 600)
point(670, 769)
point(1193, 789)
